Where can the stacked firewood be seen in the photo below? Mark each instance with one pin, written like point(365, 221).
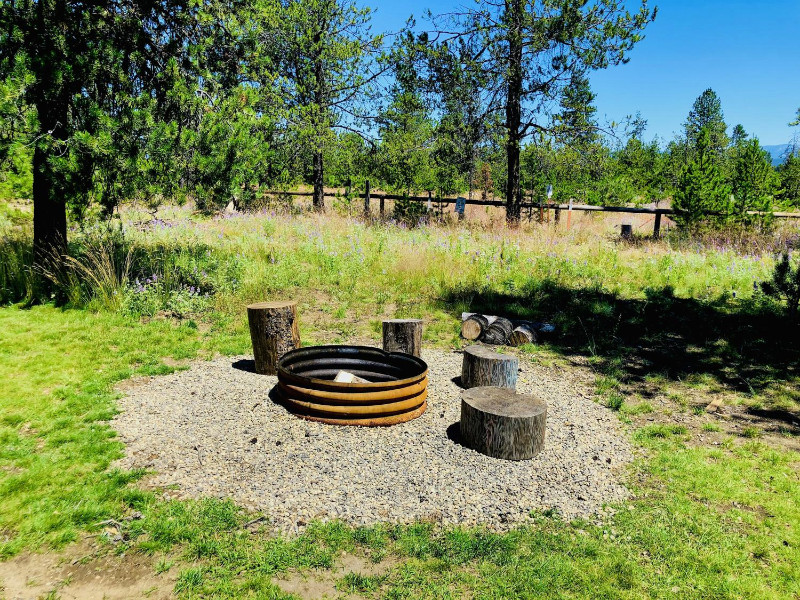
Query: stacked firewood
point(500, 331)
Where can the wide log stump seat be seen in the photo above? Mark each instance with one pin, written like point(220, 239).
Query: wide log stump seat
point(500, 423)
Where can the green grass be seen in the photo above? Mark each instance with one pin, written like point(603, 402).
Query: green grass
point(57, 369)
point(720, 521)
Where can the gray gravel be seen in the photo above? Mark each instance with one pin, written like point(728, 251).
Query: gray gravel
point(213, 431)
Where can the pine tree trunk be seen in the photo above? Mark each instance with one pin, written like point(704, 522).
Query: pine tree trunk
point(514, 110)
point(320, 100)
point(319, 182)
point(49, 205)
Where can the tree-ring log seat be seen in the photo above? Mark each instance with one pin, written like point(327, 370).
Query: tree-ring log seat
point(483, 366)
point(395, 392)
point(500, 423)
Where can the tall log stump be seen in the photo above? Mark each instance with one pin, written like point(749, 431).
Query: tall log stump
point(403, 335)
point(500, 423)
point(273, 331)
point(485, 367)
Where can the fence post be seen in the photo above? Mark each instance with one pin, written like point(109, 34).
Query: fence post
point(382, 207)
point(657, 226)
point(366, 199)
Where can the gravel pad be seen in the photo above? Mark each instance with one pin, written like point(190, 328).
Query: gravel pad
point(213, 431)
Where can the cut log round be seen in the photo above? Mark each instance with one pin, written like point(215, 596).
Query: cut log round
point(403, 335)
point(522, 334)
point(503, 424)
point(485, 367)
point(498, 332)
point(274, 332)
point(474, 326)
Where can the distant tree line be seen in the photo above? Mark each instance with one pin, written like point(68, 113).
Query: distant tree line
point(220, 100)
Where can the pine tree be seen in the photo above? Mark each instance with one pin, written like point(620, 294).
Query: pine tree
point(702, 189)
point(328, 69)
point(530, 51)
point(754, 183)
point(789, 173)
point(738, 135)
point(575, 123)
point(707, 114)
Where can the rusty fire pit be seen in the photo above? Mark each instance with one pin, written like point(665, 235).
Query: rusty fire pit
point(395, 393)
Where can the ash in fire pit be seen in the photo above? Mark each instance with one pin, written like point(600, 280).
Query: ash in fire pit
point(395, 388)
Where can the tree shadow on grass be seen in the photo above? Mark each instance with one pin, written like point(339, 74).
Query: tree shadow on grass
point(747, 346)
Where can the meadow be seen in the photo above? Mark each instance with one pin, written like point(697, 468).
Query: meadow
point(666, 326)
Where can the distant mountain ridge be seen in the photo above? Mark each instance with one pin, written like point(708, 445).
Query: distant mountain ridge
point(778, 153)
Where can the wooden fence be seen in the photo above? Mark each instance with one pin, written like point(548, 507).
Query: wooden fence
point(529, 206)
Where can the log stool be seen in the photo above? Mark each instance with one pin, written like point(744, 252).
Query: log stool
point(485, 367)
point(273, 330)
point(500, 423)
point(403, 335)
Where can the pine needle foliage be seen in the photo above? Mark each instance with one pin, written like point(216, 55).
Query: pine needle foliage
point(754, 184)
point(702, 197)
point(785, 284)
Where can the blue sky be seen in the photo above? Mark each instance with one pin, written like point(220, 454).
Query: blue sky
point(746, 51)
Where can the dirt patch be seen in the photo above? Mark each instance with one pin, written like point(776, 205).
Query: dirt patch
point(126, 385)
point(318, 585)
point(84, 572)
point(687, 406)
point(174, 362)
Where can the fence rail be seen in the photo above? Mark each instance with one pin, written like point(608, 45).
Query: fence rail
point(367, 196)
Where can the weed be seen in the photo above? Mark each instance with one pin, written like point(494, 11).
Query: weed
point(162, 566)
point(355, 582)
point(640, 408)
point(660, 431)
point(189, 580)
point(751, 432)
point(615, 401)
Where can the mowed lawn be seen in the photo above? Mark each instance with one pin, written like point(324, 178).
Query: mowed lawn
point(714, 513)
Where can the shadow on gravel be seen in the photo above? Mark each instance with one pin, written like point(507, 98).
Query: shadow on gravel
point(746, 345)
point(245, 365)
point(454, 433)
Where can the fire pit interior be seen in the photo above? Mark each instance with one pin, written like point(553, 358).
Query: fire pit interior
point(374, 387)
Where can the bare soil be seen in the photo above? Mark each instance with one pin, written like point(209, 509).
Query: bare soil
point(84, 572)
point(319, 585)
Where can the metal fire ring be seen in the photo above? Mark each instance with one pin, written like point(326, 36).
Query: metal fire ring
point(396, 393)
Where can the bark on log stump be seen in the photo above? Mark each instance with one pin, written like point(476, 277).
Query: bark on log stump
point(500, 423)
point(485, 367)
point(403, 335)
point(522, 334)
point(274, 332)
point(498, 332)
